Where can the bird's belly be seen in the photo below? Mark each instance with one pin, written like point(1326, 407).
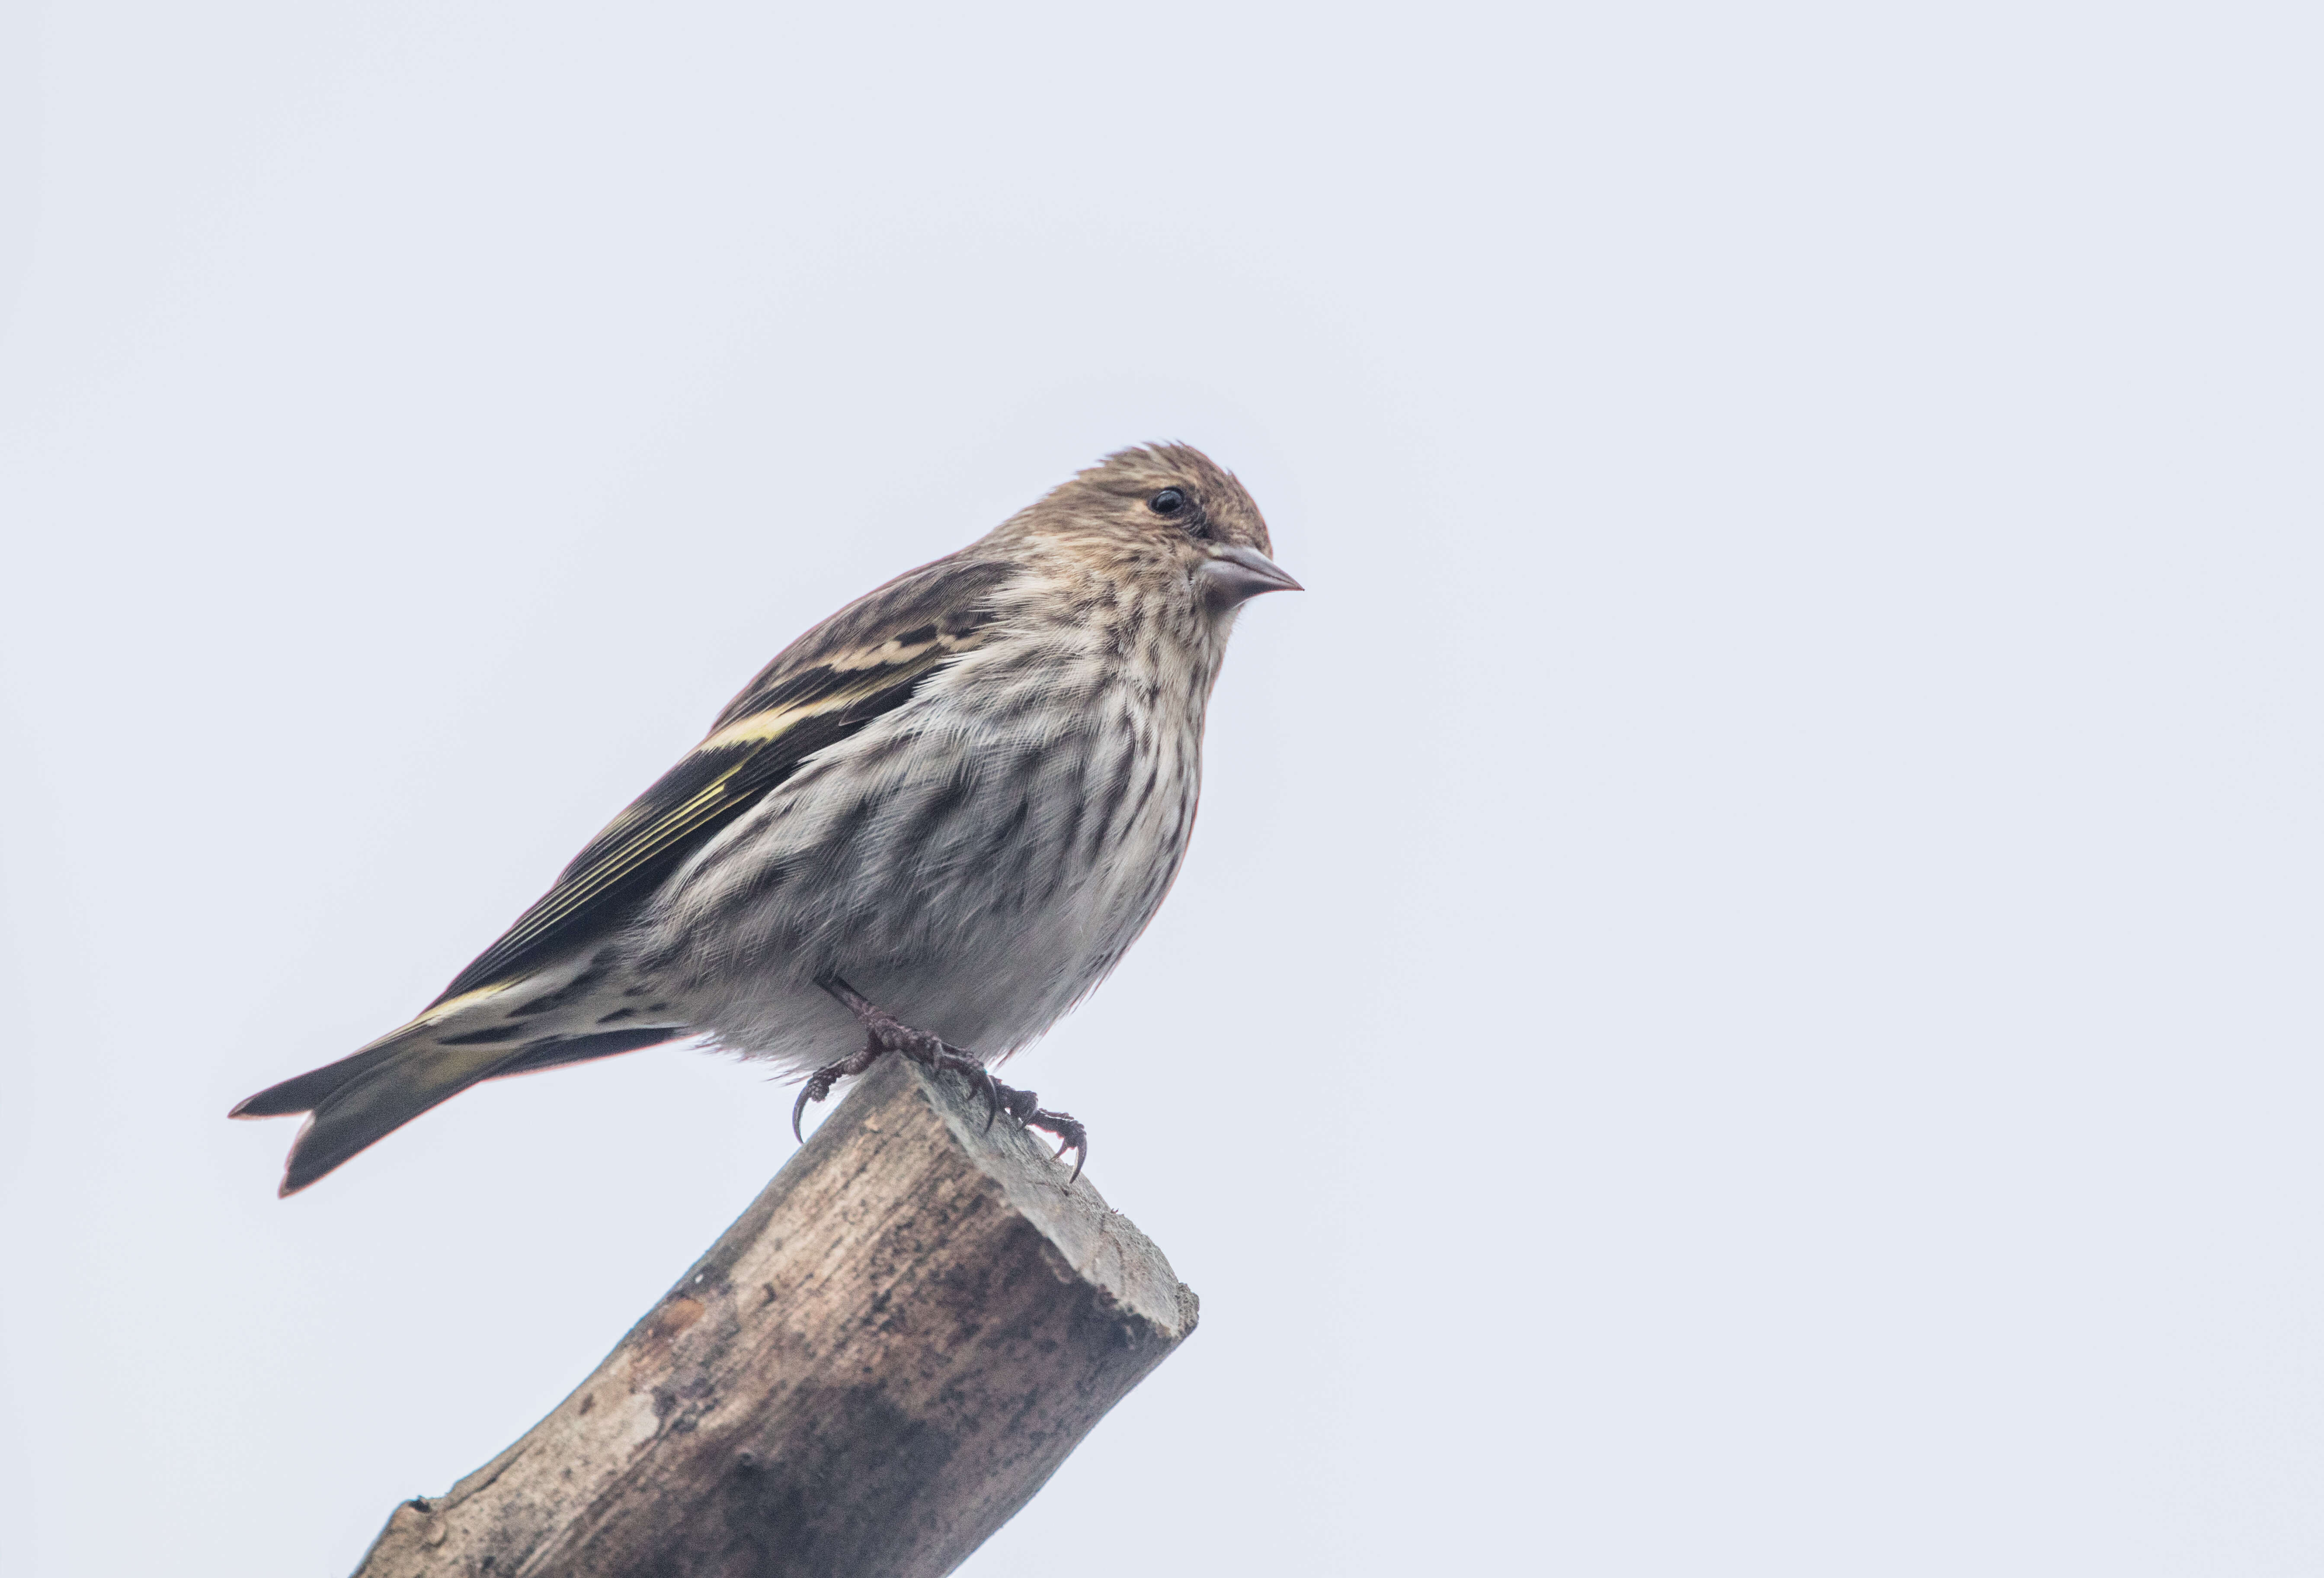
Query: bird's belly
point(977, 894)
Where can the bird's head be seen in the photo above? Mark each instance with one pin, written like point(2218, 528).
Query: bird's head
point(1164, 510)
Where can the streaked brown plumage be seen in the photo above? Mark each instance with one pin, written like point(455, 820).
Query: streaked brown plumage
point(965, 794)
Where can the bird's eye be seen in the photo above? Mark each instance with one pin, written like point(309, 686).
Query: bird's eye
point(1169, 502)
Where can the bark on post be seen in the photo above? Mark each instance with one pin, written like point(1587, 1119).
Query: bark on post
point(880, 1362)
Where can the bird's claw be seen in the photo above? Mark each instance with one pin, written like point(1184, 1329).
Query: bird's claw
point(884, 1033)
point(1027, 1109)
point(1071, 1136)
point(817, 1087)
point(983, 1076)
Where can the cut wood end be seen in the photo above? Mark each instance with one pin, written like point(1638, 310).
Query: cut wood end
point(1100, 1243)
point(890, 1350)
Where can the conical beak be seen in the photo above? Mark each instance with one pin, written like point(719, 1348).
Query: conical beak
point(1239, 574)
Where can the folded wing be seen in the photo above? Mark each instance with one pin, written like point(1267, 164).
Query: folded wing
point(867, 660)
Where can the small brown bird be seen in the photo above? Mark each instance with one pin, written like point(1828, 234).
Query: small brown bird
point(930, 826)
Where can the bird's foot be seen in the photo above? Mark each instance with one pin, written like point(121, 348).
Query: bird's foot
point(1027, 1109)
point(818, 1084)
point(885, 1033)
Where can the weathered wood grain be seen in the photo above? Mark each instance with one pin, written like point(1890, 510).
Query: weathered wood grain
point(883, 1358)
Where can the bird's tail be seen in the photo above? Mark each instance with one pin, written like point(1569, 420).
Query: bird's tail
point(368, 1095)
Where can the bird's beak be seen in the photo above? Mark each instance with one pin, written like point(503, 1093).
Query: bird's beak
point(1236, 574)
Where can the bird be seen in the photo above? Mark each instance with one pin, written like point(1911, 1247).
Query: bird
point(929, 828)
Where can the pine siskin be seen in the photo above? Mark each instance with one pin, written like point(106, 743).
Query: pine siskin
point(935, 822)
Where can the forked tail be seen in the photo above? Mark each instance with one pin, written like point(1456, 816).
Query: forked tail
point(364, 1097)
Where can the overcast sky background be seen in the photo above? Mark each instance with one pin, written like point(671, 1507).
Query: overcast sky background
point(1745, 1000)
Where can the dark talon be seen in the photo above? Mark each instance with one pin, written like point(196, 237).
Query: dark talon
point(1027, 1109)
point(885, 1033)
point(1071, 1136)
point(817, 1087)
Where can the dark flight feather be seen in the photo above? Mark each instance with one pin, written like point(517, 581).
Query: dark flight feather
point(865, 660)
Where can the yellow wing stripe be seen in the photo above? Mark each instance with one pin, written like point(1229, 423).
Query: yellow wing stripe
point(756, 733)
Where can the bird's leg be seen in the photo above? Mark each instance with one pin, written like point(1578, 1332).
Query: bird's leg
point(885, 1033)
point(1027, 1109)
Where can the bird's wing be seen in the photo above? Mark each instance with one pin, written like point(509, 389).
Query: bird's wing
point(866, 660)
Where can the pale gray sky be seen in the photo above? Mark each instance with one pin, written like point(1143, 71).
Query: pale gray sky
point(1745, 1000)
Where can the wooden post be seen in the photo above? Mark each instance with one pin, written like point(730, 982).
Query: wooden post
point(880, 1362)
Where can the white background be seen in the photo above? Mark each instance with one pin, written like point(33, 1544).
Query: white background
point(1745, 1000)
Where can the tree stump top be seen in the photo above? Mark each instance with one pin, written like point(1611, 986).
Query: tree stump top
point(884, 1357)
